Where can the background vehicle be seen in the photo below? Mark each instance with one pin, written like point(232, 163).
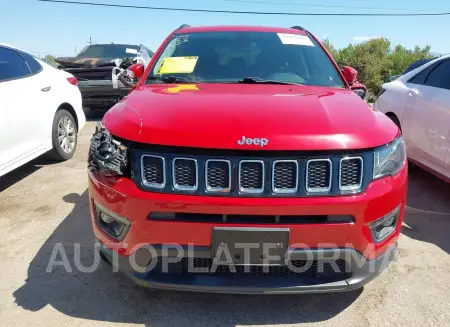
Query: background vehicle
point(96, 67)
point(243, 134)
point(40, 110)
point(411, 67)
point(419, 103)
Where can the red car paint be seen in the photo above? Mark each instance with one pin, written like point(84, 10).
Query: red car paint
point(327, 119)
point(125, 198)
point(215, 116)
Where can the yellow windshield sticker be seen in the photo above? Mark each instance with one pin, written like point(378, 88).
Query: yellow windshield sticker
point(175, 65)
point(185, 87)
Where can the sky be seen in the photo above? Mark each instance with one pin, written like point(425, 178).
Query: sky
point(64, 29)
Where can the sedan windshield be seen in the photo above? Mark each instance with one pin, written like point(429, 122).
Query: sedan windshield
point(244, 57)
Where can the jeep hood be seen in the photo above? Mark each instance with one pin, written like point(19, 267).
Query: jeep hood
point(218, 115)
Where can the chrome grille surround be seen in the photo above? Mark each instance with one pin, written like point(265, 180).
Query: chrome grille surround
point(276, 189)
point(210, 188)
point(184, 186)
point(240, 177)
point(351, 187)
point(143, 171)
point(320, 189)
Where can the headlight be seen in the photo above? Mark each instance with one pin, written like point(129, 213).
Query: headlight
point(107, 155)
point(389, 159)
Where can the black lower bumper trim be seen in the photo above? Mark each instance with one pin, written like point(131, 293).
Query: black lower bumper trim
point(362, 272)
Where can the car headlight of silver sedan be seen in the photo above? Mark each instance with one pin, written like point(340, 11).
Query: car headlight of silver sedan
point(389, 159)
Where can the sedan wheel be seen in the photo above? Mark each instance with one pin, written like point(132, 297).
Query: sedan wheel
point(64, 136)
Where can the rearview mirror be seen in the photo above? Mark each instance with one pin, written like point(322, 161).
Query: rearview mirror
point(349, 74)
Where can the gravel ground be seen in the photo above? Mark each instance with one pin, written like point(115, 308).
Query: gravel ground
point(43, 203)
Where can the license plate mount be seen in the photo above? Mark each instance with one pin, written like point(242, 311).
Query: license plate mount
point(250, 246)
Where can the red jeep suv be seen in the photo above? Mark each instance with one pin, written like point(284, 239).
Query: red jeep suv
point(242, 162)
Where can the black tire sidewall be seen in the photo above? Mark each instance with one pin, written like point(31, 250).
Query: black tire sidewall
point(58, 152)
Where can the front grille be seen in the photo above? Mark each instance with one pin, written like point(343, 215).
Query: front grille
point(218, 175)
point(251, 176)
point(153, 171)
point(296, 268)
point(285, 176)
point(350, 173)
point(265, 176)
point(185, 174)
point(318, 175)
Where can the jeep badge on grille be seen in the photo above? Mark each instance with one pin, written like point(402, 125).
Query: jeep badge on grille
point(256, 141)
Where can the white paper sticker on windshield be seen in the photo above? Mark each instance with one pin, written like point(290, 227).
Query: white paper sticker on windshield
point(295, 39)
point(131, 51)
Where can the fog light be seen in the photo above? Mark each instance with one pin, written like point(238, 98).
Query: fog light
point(384, 226)
point(113, 224)
point(105, 218)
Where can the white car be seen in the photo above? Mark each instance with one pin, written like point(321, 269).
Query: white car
point(40, 110)
point(419, 103)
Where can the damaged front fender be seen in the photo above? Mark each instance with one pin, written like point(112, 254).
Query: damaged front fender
point(107, 156)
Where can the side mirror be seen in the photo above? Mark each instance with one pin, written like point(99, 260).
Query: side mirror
point(359, 89)
point(349, 74)
point(361, 92)
point(127, 78)
point(136, 71)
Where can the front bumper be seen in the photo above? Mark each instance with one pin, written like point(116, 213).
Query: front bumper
point(351, 241)
point(362, 272)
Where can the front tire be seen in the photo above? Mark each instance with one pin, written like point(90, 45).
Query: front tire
point(64, 136)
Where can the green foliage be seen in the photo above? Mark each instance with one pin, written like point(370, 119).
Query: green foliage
point(331, 49)
point(50, 60)
point(376, 61)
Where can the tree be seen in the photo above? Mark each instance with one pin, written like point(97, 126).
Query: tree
point(49, 59)
point(376, 60)
point(331, 49)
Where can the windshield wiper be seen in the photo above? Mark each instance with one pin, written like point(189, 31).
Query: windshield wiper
point(170, 79)
point(259, 80)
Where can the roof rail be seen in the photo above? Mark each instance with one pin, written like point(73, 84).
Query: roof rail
point(298, 28)
point(183, 26)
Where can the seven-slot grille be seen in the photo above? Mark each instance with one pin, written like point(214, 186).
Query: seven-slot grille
point(266, 177)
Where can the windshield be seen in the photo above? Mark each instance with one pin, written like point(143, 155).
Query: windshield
point(109, 51)
point(214, 57)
